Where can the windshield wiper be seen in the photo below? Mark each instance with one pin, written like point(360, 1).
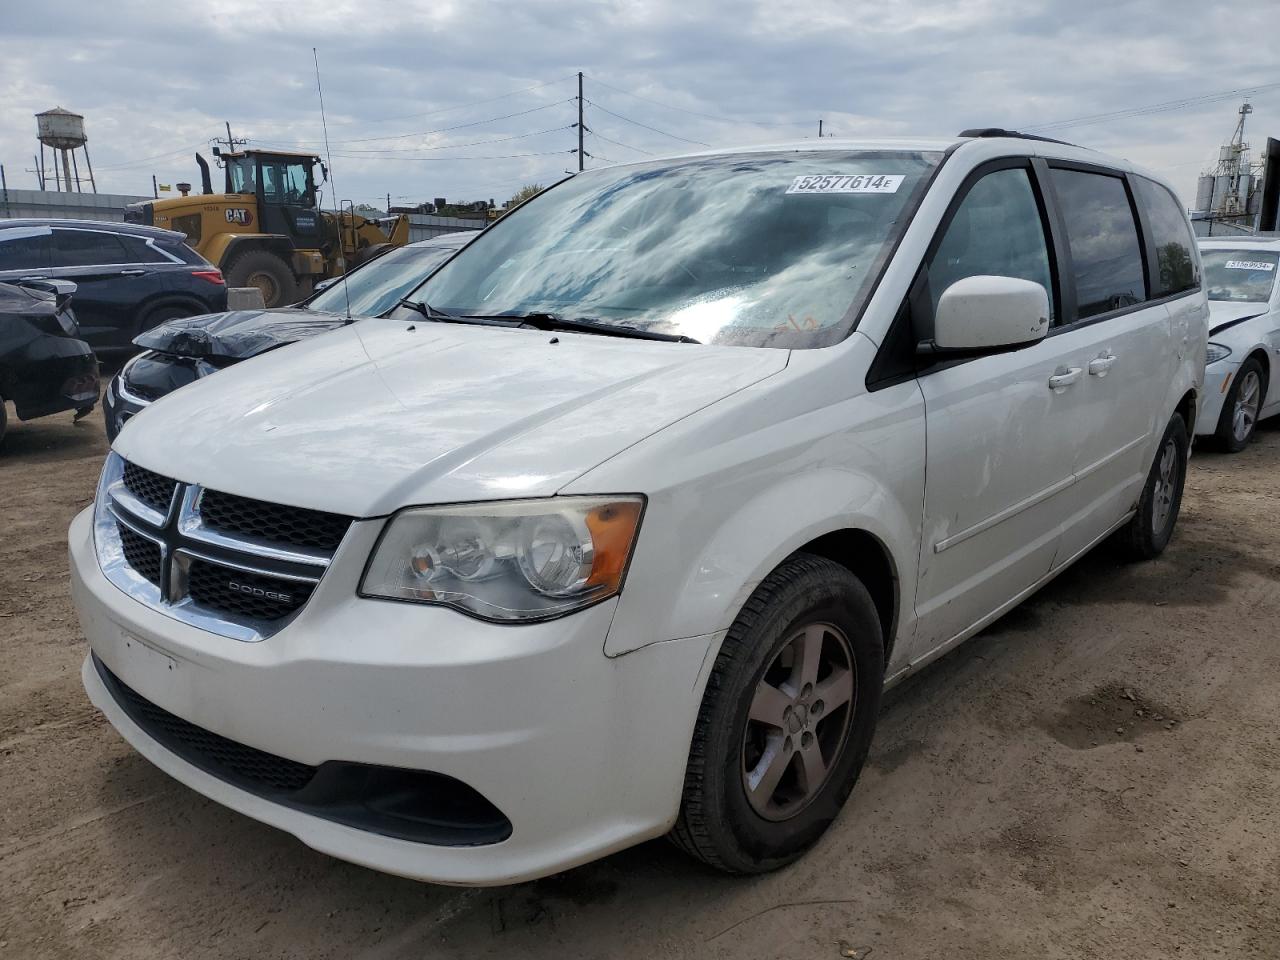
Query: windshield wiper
point(553, 321)
point(444, 316)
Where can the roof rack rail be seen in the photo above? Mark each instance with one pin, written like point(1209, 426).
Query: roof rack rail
point(1013, 134)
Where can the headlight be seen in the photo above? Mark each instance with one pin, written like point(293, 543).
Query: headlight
point(1216, 352)
point(512, 561)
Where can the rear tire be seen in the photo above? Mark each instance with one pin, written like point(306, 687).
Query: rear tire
point(1148, 532)
point(1239, 417)
point(266, 271)
point(786, 720)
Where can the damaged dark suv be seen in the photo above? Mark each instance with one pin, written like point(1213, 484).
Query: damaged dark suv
point(44, 367)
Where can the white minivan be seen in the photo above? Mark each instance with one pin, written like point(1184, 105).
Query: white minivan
point(620, 525)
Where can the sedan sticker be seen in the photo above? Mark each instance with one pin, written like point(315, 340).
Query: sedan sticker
point(847, 183)
point(1250, 265)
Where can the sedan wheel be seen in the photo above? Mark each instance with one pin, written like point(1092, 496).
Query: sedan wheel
point(1245, 412)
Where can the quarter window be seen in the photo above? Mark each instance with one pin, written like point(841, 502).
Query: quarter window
point(996, 231)
point(139, 251)
point(1103, 238)
point(86, 248)
point(1175, 262)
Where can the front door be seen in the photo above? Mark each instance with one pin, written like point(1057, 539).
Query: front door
point(1001, 430)
point(286, 201)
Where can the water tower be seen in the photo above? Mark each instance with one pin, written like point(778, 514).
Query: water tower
point(63, 131)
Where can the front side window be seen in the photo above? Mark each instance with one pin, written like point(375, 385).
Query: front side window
point(1245, 276)
point(1103, 238)
point(285, 183)
point(996, 231)
point(376, 287)
point(773, 249)
point(1175, 261)
point(87, 248)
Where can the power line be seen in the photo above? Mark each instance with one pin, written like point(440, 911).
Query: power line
point(445, 146)
point(507, 156)
point(637, 123)
point(456, 126)
point(596, 133)
point(695, 113)
point(461, 106)
point(1164, 107)
point(599, 156)
point(142, 161)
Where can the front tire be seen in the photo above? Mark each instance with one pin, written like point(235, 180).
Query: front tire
point(786, 720)
point(266, 271)
point(1239, 416)
point(1146, 535)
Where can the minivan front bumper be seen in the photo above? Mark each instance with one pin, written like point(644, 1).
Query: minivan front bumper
point(583, 754)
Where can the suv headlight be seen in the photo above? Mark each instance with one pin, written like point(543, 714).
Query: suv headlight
point(1216, 352)
point(518, 560)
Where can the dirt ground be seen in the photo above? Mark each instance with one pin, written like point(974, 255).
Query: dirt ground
point(1094, 777)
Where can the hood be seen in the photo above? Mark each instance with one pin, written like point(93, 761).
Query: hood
point(384, 414)
point(238, 334)
point(1224, 314)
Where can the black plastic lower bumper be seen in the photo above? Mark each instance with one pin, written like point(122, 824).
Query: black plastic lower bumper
point(413, 805)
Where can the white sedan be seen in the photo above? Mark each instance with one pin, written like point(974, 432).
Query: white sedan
point(1242, 378)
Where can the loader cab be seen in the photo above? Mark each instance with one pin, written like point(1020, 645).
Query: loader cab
point(285, 188)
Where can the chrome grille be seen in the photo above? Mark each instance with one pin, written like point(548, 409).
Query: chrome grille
point(243, 594)
point(221, 562)
point(296, 526)
point(151, 488)
point(141, 553)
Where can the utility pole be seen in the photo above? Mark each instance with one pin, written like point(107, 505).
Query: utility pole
point(4, 187)
point(155, 191)
point(580, 128)
point(388, 204)
point(819, 129)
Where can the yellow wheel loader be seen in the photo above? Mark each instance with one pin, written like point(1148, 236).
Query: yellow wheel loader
point(267, 230)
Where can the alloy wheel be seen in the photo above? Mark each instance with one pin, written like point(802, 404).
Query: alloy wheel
point(798, 721)
point(1248, 399)
point(1166, 486)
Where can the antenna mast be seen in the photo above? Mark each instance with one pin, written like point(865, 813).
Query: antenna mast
point(329, 157)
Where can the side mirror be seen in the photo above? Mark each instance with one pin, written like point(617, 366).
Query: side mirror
point(325, 284)
point(986, 314)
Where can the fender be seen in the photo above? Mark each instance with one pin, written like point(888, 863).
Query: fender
point(705, 595)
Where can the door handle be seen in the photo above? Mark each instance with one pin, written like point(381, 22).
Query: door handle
point(1101, 366)
point(132, 273)
point(1063, 378)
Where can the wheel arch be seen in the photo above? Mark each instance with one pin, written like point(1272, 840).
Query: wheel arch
point(237, 245)
point(848, 517)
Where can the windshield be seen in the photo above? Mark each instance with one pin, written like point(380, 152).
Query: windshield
point(378, 285)
point(1245, 276)
point(764, 249)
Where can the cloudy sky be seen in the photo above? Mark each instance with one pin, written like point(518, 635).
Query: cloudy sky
point(469, 99)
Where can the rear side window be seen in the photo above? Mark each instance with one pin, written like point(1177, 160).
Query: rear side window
point(22, 249)
point(1102, 235)
point(87, 248)
point(997, 230)
point(1176, 265)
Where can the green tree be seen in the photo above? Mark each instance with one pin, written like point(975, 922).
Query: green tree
point(525, 192)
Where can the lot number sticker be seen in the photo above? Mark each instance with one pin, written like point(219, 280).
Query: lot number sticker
point(846, 183)
point(1250, 265)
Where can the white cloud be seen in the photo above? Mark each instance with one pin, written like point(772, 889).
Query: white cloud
point(155, 79)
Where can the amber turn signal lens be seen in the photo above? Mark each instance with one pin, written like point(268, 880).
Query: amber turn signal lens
point(613, 532)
